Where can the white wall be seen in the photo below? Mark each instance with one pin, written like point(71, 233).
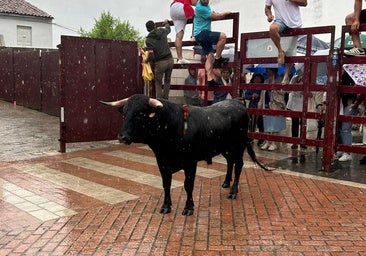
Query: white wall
point(41, 30)
point(252, 18)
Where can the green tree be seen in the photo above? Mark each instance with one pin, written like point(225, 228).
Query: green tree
point(109, 27)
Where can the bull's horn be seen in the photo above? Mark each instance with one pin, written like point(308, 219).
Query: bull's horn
point(155, 103)
point(117, 103)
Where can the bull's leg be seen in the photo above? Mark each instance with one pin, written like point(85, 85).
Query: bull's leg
point(229, 173)
point(167, 204)
point(190, 175)
point(235, 187)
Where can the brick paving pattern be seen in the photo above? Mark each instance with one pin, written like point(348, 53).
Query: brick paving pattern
point(107, 211)
point(106, 201)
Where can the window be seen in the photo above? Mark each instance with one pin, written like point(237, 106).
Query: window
point(24, 36)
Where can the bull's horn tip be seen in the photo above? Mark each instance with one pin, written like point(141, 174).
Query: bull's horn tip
point(103, 102)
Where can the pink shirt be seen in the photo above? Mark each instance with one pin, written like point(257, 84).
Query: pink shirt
point(201, 75)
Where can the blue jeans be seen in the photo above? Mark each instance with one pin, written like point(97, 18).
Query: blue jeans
point(345, 131)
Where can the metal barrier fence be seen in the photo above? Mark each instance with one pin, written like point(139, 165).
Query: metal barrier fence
point(357, 89)
point(331, 89)
point(30, 78)
point(93, 70)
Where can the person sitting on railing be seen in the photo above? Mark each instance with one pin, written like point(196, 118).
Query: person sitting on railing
point(206, 38)
point(354, 19)
point(287, 16)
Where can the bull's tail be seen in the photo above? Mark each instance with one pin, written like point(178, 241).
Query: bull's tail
point(254, 157)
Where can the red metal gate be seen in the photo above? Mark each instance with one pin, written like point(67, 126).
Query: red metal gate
point(93, 70)
point(357, 89)
point(332, 88)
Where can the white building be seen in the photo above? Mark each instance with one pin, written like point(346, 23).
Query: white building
point(317, 13)
point(24, 25)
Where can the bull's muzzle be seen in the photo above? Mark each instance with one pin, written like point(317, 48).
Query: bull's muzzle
point(124, 139)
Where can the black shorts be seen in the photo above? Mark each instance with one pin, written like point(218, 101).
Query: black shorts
point(363, 16)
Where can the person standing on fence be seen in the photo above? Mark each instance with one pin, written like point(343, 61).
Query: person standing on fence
point(287, 16)
point(157, 41)
point(353, 20)
point(207, 38)
point(180, 12)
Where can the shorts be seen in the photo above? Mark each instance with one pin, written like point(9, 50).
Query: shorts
point(178, 16)
point(282, 26)
point(206, 39)
point(363, 16)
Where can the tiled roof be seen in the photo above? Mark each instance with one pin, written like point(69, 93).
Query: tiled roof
point(21, 7)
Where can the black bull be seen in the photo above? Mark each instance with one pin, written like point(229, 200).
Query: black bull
point(182, 136)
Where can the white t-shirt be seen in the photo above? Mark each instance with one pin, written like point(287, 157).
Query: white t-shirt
point(286, 11)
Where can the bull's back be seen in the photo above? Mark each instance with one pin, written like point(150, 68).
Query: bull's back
point(215, 129)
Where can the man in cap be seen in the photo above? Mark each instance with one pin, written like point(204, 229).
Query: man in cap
point(157, 41)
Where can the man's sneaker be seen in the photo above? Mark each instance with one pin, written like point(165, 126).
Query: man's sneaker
point(272, 147)
point(265, 146)
point(221, 61)
point(338, 154)
point(183, 61)
point(346, 157)
point(355, 52)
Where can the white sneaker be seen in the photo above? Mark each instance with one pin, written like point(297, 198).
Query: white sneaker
point(345, 157)
point(272, 147)
point(355, 52)
point(183, 61)
point(265, 146)
point(338, 154)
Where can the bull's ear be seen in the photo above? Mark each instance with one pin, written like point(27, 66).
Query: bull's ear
point(155, 103)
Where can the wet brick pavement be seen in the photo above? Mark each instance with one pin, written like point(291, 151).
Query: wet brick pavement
point(103, 199)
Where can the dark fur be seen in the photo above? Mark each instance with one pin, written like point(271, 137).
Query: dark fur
point(217, 129)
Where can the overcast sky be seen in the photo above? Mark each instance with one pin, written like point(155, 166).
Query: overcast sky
point(70, 15)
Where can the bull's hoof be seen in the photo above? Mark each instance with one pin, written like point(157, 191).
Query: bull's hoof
point(233, 192)
point(209, 160)
point(165, 210)
point(187, 212)
point(232, 196)
point(225, 184)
